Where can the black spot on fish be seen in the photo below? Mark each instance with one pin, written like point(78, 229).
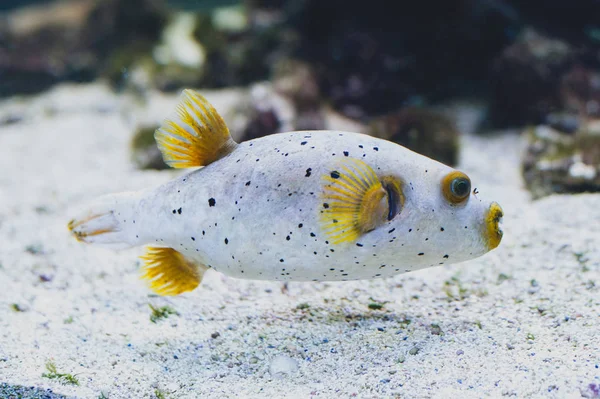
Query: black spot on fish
point(281, 260)
point(211, 202)
point(300, 225)
point(421, 253)
point(358, 244)
point(304, 143)
point(346, 153)
point(325, 205)
point(174, 211)
point(193, 239)
point(248, 183)
point(376, 148)
point(441, 229)
point(446, 256)
point(308, 172)
point(313, 235)
point(335, 174)
point(179, 211)
point(360, 146)
point(226, 241)
point(288, 238)
point(391, 231)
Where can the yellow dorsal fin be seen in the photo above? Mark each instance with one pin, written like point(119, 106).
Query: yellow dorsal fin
point(354, 201)
point(198, 137)
point(168, 272)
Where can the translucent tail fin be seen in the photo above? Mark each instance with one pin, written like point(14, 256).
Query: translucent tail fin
point(107, 222)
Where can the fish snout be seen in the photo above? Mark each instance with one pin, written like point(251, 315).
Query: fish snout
point(492, 232)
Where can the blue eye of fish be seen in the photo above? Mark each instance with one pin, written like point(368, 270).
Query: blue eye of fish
point(460, 187)
point(456, 187)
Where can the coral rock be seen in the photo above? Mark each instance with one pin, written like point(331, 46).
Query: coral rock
point(557, 162)
point(427, 132)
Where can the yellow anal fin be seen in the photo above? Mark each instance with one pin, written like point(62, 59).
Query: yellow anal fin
point(198, 137)
point(168, 272)
point(354, 201)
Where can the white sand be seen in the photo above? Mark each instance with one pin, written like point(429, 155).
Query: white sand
point(536, 334)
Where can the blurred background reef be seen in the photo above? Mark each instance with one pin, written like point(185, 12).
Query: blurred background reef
point(529, 66)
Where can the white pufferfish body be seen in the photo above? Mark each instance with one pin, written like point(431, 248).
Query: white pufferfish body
point(301, 206)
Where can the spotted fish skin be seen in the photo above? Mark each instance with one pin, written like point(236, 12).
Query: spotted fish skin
point(255, 213)
point(297, 206)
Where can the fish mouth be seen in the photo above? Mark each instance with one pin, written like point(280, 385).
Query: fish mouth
point(493, 232)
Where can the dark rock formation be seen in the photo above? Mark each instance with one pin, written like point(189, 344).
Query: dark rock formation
point(525, 79)
point(558, 162)
point(144, 152)
point(427, 132)
point(72, 40)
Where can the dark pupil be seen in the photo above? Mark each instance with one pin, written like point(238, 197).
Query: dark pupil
point(461, 187)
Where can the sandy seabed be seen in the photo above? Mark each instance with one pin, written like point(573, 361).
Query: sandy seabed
point(522, 321)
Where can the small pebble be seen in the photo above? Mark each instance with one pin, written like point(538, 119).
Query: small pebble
point(215, 335)
point(35, 249)
point(18, 307)
point(282, 366)
point(590, 391)
point(436, 329)
point(45, 278)
point(414, 350)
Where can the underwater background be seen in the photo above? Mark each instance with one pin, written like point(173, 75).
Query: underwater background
point(531, 65)
point(506, 90)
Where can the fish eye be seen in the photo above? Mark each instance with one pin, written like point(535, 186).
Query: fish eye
point(456, 187)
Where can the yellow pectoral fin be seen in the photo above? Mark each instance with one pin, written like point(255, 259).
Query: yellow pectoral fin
point(354, 201)
point(168, 272)
point(198, 137)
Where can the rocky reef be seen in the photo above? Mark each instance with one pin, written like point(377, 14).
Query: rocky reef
point(422, 130)
point(562, 162)
point(73, 40)
point(340, 64)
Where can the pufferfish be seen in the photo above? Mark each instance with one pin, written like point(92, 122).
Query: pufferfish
point(297, 206)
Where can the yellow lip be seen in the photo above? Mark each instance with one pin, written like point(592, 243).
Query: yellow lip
point(493, 233)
